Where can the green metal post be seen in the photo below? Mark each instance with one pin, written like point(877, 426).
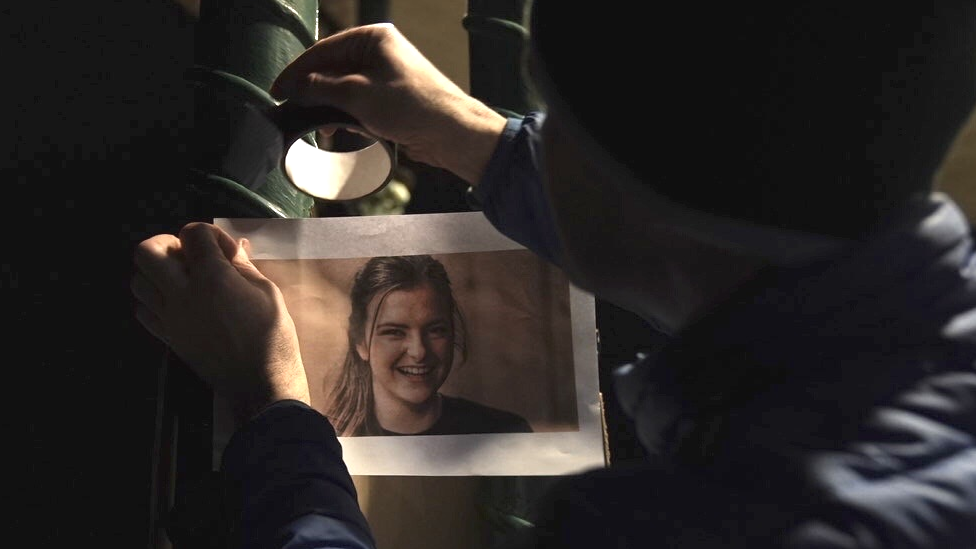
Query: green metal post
point(497, 40)
point(241, 47)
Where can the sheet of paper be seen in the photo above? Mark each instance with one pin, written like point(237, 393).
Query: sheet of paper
point(528, 339)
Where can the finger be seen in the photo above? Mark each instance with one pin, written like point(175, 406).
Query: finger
point(242, 262)
point(342, 53)
point(146, 292)
point(160, 260)
point(344, 92)
point(227, 244)
point(248, 249)
point(206, 247)
point(331, 52)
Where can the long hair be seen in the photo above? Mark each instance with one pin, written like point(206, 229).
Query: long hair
point(351, 406)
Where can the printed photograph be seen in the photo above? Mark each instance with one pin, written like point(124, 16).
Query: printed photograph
point(452, 344)
point(424, 348)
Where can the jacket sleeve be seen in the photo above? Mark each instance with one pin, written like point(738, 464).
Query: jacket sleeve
point(510, 194)
point(286, 486)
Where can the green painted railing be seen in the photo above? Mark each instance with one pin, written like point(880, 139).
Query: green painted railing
point(497, 40)
point(241, 47)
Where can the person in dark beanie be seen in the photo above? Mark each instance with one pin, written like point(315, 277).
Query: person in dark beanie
point(756, 184)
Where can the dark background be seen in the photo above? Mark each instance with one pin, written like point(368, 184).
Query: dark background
point(96, 110)
point(99, 115)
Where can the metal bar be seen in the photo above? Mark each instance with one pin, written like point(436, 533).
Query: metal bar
point(241, 47)
point(497, 39)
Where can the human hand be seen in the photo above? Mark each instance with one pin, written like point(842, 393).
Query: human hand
point(376, 75)
point(200, 293)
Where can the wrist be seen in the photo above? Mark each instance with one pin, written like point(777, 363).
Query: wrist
point(291, 384)
point(467, 150)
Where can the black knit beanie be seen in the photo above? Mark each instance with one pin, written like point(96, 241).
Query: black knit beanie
point(823, 117)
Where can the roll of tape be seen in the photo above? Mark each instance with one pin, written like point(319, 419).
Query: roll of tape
point(361, 164)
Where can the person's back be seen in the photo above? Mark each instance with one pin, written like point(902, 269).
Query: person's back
point(824, 393)
point(830, 405)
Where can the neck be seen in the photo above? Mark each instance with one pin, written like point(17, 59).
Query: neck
point(682, 284)
point(407, 417)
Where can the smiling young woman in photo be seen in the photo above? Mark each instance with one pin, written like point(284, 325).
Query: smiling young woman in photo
point(405, 332)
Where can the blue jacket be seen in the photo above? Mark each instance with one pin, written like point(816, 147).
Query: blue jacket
point(831, 405)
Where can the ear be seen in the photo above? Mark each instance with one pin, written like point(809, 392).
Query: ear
point(362, 351)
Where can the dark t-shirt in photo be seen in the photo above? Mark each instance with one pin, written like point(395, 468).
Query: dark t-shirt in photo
point(460, 416)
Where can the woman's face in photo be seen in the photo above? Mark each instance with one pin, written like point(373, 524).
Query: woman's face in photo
point(412, 345)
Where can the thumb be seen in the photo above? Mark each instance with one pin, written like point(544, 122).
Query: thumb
point(242, 261)
point(206, 246)
point(345, 92)
point(241, 258)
